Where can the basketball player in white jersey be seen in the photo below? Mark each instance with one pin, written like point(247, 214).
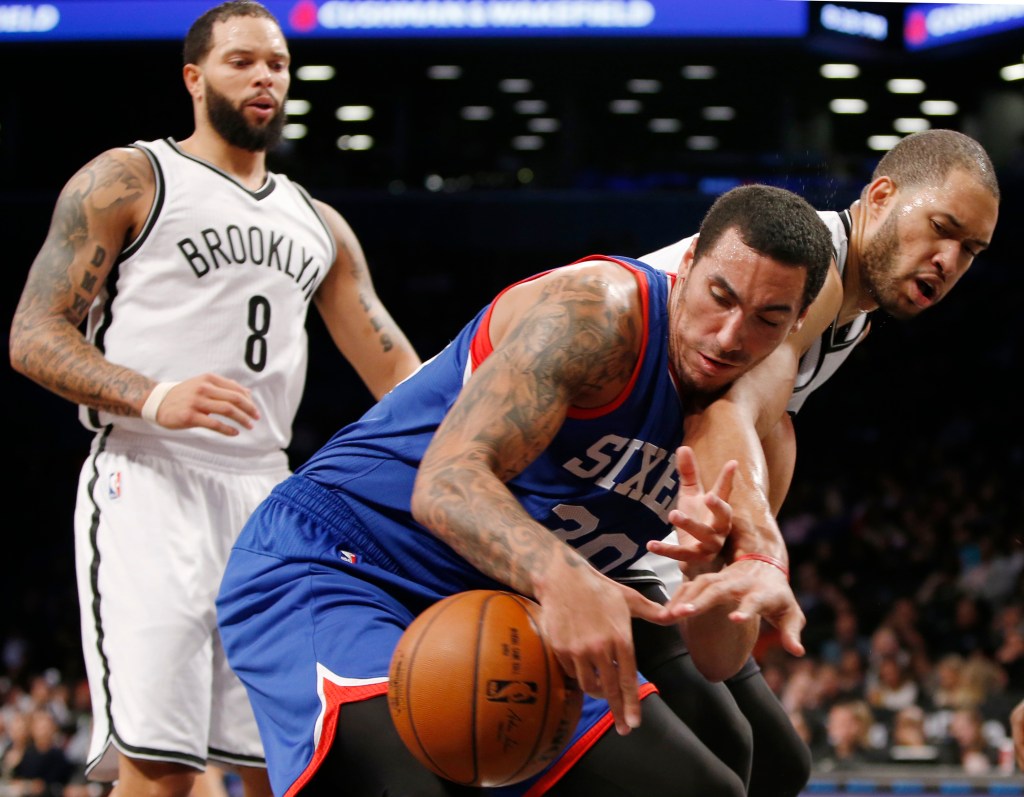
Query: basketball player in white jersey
point(929, 210)
point(193, 268)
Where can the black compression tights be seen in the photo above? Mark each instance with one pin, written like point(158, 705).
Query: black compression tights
point(731, 718)
point(662, 758)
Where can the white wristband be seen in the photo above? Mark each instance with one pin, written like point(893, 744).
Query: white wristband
point(156, 398)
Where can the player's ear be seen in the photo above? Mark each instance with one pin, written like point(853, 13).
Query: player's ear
point(192, 75)
point(684, 266)
point(879, 194)
point(800, 320)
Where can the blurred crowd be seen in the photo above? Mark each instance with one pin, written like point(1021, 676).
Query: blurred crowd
point(914, 597)
point(44, 733)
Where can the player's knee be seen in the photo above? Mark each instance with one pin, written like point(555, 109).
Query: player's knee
point(785, 775)
point(255, 782)
point(139, 778)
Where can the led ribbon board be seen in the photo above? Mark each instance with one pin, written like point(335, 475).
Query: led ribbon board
point(128, 20)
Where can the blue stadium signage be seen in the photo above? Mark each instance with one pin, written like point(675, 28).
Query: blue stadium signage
point(67, 20)
point(930, 25)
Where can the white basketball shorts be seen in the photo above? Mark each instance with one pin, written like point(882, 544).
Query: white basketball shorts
point(153, 530)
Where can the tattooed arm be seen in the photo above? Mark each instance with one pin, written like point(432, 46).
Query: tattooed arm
point(100, 210)
point(571, 337)
point(358, 322)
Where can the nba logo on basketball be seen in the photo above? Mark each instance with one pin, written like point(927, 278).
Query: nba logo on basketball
point(511, 692)
point(114, 485)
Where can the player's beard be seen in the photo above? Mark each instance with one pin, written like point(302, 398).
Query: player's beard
point(233, 127)
point(879, 262)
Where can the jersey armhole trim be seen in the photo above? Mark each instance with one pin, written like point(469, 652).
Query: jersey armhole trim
point(159, 194)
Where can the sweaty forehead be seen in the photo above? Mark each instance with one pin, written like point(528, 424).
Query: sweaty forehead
point(961, 197)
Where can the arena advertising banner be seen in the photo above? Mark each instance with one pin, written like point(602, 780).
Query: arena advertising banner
point(71, 20)
point(933, 24)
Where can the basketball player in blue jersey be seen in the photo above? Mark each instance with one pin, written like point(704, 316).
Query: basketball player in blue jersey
point(193, 268)
point(534, 453)
point(929, 210)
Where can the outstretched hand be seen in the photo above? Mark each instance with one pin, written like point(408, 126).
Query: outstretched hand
point(750, 587)
point(198, 401)
point(704, 516)
point(755, 588)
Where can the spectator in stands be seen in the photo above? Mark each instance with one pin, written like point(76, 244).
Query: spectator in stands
point(846, 635)
point(18, 742)
point(849, 747)
point(967, 743)
point(44, 769)
point(893, 688)
point(946, 689)
point(908, 738)
point(904, 619)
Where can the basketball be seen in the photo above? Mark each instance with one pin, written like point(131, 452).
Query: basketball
point(477, 694)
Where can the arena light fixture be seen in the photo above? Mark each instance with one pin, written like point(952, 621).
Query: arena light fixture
point(354, 113)
point(626, 106)
point(883, 143)
point(839, 71)
point(718, 113)
point(643, 86)
point(444, 72)
point(664, 125)
point(515, 85)
point(939, 108)
point(314, 72)
point(357, 143)
point(702, 143)
point(477, 113)
point(527, 142)
point(530, 107)
point(848, 105)
point(905, 85)
point(699, 72)
point(1012, 72)
point(910, 124)
point(543, 124)
point(295, 107)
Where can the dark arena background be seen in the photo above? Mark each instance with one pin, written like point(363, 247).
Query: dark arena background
point(473, 143)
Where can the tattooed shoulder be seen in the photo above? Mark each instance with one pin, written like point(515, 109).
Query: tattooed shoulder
point(586, 327)
point(111, 179)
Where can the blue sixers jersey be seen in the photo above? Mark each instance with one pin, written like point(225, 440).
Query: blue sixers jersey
point(605, 485)
point(331, 568)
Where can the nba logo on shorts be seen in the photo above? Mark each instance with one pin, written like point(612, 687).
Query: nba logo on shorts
point(114, 485)
point(348, 556)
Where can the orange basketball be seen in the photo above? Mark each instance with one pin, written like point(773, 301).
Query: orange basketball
point(477, 694)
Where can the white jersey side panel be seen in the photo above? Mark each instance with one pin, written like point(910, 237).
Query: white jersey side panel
point(829, 351)
point(219, 281)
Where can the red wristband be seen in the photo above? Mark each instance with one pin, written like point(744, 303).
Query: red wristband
point(760, 557)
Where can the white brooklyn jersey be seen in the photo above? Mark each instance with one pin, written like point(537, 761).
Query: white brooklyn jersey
point(829, 351)
point(219, 280)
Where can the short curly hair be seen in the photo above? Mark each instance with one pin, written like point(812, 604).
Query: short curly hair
point(199, 39)
point(775, 222)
